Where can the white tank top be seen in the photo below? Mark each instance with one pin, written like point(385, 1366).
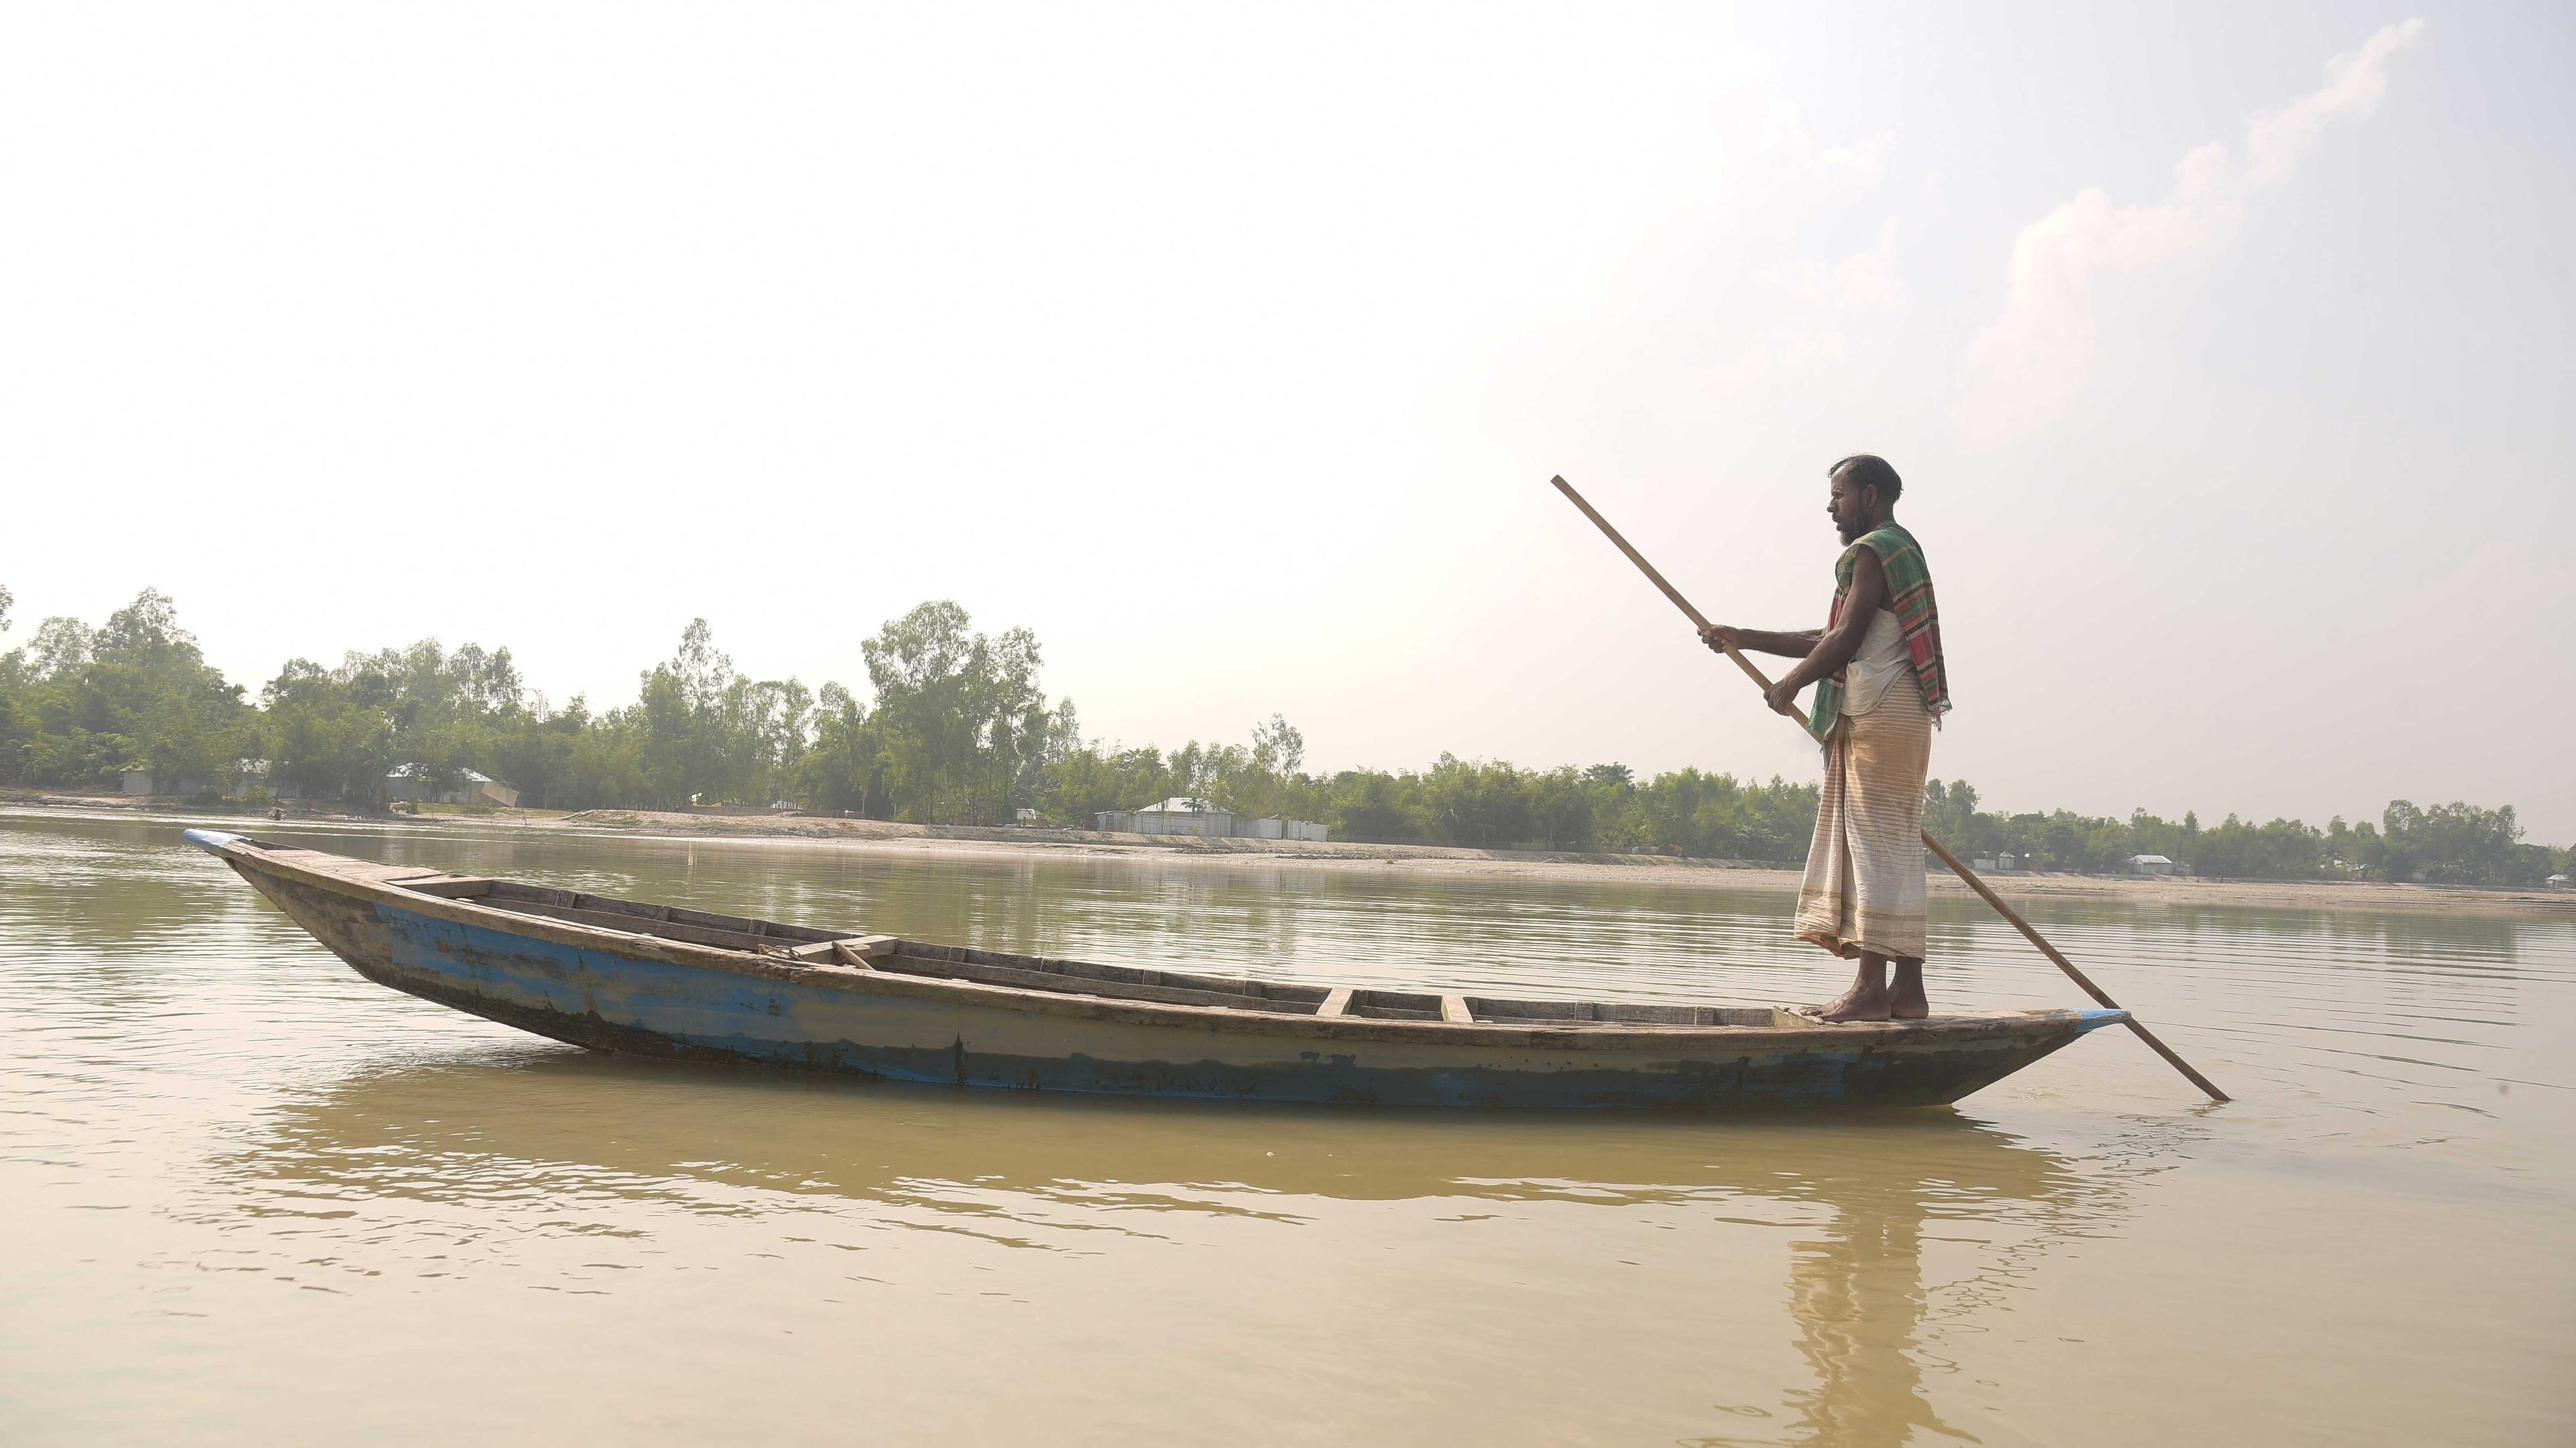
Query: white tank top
point(1881, 664)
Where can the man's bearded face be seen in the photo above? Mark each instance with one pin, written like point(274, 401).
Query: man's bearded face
point(1849, 508)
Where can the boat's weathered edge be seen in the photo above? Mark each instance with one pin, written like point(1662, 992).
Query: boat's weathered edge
point(382, 884)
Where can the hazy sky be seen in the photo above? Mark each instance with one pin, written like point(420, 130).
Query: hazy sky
point(2224, 349)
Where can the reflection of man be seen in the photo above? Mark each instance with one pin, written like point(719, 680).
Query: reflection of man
point(1858, 1298)
point(1880, 689)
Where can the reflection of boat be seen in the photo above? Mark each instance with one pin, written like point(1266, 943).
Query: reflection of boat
point(659, 980)
point(598, 1120)
point(1852, 1205)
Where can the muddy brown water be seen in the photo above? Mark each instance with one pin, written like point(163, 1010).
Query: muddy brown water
point(247, 1197)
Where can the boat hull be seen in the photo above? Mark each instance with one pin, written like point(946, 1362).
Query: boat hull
point(611, 992)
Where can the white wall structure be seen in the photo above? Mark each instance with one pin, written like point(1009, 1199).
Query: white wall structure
point(411, 781)
point(1180, 815)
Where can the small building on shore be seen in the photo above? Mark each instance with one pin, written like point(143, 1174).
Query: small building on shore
point(247, 774)
point(413, 782)
point(2558, 882)
point(1181, 815)
point(2150, 865)
point(145, 781)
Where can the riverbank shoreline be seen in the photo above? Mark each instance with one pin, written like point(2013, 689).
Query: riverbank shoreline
point(886, 836)
point(2359, 896)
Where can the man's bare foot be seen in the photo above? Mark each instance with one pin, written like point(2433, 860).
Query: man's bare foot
point(1865, 1001)
point(1860, 1003)
point(1905, 998)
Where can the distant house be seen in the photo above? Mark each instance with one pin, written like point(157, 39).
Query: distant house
point(2558, 882)
point(1178, 815)
point(2007, 861)
point(412, 781)
point(2150, 865)
point(1181, 815)
point(145, 781)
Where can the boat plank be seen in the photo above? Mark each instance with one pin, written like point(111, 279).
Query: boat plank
point(637, 924)
point(862, 952)
point(448, 887)
point(1050, 981)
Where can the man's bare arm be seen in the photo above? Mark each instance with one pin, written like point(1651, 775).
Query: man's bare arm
point(1761, 641)
point(1842, 641)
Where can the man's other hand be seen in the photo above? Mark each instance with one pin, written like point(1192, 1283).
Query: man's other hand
point(1783, 698)
point(1721, 637)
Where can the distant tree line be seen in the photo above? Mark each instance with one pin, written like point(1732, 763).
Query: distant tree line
point(954, 729)
point(2446, 844)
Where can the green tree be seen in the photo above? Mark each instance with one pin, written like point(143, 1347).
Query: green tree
point(1374, 805)
point(2457, 843)
point(2281, 850)
point(325, 740)
point(134, 694)
point(844, 771)
point(962, 727)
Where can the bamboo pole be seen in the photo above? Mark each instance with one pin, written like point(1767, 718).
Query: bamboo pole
point(1984, 892)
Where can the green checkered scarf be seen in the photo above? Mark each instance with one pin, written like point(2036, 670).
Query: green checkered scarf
point(1909, 597)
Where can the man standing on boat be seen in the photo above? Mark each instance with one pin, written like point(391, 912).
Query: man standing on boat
point(1880, 690)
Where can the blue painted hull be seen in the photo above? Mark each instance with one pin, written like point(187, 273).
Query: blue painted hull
point(613, 991)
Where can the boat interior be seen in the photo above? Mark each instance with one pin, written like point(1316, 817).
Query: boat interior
point(842, 950)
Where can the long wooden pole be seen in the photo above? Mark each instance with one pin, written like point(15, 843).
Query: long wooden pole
point(1984, 892)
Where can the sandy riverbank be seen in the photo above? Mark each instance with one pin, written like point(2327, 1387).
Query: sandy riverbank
point(2361, 897)
point(1436, 860)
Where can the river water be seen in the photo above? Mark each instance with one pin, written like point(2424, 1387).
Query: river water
point(246, 1196)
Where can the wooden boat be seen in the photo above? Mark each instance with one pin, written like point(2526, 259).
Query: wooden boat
point(658, 980)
